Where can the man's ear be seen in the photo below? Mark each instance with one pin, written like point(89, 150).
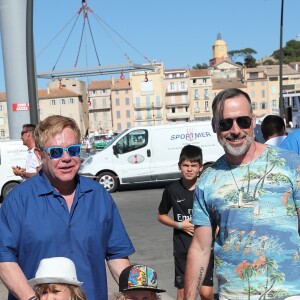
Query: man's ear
point(213, 125)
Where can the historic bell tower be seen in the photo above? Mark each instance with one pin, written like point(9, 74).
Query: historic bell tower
point(219, 51)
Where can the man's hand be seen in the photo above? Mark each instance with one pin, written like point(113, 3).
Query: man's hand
point(187, 227)
point(18, 171)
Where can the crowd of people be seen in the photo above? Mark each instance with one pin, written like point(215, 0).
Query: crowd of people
point(236, 221)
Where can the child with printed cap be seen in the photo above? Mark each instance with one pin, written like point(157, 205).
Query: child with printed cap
point(138, 282)
point(56, 278)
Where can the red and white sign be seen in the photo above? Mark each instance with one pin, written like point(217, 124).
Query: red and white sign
point(20, 106)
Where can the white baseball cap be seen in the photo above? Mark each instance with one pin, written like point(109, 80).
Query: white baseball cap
point(55, 270)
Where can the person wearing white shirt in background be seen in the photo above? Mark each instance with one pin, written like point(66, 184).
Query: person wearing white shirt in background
point(32, 165)
point(273, 130)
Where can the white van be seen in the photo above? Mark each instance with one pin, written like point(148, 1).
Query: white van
point(12, 153)
point(149, 153)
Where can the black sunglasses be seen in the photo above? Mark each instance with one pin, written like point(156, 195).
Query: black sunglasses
point(22, 132)
point(57, 152)
point(243, 122)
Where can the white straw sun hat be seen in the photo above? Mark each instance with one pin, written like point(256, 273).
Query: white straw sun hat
point(55, 270)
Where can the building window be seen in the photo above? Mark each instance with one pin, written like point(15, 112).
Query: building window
point(104, 102)
point(103, 91)
point(252, 93)
point(204, 80)
point(196, 106)
point(138, 115)
point(273, 78)
point(2, 133)
point(173, 110)
point(254, 105)
point(182, 85)
point(93, 92)
point(172, 86)
point(1, 107)
point(263, 105)
point(194, 81)
point(252, 83)
point(205, 93)
point(1, 121)
point(117, 101)
point(263, 94)
point(253, 75)
point(52, 102)
point(63, 101)
point(127, 113)
point(138, 102)
point(206, 107)
point(71, 101)
point(196, 94)
point(262, 83)
point(117, 92)
point(274, 103)
point(119, 127)
point(127, 101)
point(118, 113)
point(128, 124)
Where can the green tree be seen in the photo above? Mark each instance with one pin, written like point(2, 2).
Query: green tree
point(200, 66)
point(290, 53)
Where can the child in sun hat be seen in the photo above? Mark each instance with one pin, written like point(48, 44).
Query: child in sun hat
point(138, 282)
point(56, 276)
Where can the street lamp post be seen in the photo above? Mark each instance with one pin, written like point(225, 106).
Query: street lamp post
point(281, 102)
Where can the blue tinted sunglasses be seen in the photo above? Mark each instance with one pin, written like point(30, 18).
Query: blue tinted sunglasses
point(58, 152)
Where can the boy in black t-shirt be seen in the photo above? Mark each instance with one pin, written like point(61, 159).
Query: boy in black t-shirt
point(179, 196)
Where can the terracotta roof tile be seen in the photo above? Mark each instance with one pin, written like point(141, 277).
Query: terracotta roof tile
point(198, 73)
point(56, 93)
point(121, 84)
point(99, 85)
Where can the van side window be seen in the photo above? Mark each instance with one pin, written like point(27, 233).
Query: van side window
point(132, 141)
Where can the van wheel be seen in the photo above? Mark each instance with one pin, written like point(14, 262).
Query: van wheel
point(109, 181)
point(8, 187)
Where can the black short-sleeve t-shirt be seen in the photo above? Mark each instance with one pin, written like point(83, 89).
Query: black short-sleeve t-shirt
point(180, 199)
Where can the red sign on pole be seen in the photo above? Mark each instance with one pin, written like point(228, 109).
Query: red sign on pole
point(20, 106)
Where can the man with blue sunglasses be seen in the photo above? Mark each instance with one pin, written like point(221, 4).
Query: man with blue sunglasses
point(252, 196)
point(60, 213)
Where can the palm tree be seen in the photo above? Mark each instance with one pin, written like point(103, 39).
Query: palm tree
point(246, 275)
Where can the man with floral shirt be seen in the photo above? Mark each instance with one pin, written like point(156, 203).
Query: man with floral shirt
point(252, 194)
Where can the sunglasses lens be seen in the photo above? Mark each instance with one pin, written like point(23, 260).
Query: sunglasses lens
point(74, 150)
point(244, 122)
point(225, 124)
point(56, 152)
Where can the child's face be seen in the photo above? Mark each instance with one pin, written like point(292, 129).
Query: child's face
point(56, 292)
point(190, 170)
point(139, 295)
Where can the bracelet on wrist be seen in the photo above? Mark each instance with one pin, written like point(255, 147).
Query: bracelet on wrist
point(179, 226)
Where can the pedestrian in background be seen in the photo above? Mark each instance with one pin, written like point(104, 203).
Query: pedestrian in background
point(252, 194)
point(32, 165)
point(138, 282)
point(179, 197)
point(56, 278)
point(292, 141)
point(273, 130)
point(60, 213)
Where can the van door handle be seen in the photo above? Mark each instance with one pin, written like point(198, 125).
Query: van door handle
point(148, 152)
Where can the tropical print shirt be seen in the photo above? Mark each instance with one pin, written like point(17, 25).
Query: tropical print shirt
point(255, 205)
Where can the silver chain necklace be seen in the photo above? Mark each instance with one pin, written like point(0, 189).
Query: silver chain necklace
point(241, 190)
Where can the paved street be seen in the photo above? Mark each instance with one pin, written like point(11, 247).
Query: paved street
point(152, 240)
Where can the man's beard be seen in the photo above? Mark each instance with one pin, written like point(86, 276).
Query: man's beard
point(236, 151)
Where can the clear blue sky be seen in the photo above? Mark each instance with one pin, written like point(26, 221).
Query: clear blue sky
point(179, 33)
